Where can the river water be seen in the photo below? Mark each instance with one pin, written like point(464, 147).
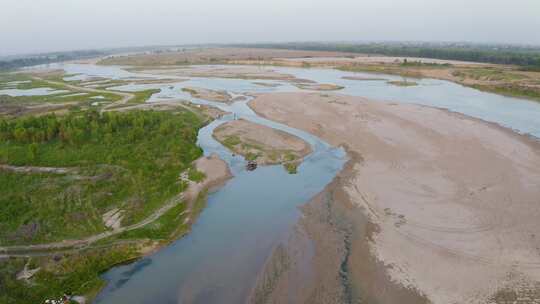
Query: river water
point(217, 262)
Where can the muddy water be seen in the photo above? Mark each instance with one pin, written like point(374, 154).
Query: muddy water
point(219, 260)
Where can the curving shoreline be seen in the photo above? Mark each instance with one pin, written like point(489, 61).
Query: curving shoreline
point(414, 196)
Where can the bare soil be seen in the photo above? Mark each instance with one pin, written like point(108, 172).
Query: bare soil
point(443, 208)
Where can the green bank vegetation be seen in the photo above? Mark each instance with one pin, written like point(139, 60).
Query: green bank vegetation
point(129, 161)
point(403, 83)
point(526, 56)
point(255, 151)
point(125, 160)
point(75, 273)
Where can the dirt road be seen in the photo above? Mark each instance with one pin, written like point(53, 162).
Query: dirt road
point(216, 172)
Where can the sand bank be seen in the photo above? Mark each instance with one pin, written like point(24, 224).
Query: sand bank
point(207, 94)
point(440, 207)
point(260, 143)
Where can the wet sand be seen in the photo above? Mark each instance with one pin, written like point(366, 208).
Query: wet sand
point(216, 173)
point(433, 206)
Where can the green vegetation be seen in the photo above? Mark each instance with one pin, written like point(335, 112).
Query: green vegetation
point(142, 96)
point(19, 62)
point(190, 91)
point(250, 156)
point(488, 74)
point(68, 95)
point(510, 89)
point(195, 175)
point(418, 63)
point(291, 167)
point(490, 53)
point(499, 80)
point(403, 83)
point(252, 151)
point(231, 141)
point(161, 229)
point(129, 161)
point(74, 273)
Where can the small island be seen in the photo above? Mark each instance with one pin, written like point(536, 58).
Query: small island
point(262, 144)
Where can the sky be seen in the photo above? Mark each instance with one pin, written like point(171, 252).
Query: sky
point(29, 26)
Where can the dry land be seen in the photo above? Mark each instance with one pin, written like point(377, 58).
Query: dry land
point(207, 94)
point(319, 86)
point(433, 207)
point(231, 71)
point(214, 56)
point(262, 144)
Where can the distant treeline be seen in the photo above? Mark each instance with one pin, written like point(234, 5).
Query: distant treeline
point(31, 60)
point(500, 54)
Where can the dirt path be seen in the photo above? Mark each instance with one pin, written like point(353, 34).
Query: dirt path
point(33, 169)
point(216, 171)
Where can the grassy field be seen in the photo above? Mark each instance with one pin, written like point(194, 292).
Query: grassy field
point(129, 161)
point(73, 274)
point(77, 273)
point(126, 160)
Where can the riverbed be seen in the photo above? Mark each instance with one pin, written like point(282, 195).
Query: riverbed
point(218, 261)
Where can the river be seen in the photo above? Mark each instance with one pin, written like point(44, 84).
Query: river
point(218, 261)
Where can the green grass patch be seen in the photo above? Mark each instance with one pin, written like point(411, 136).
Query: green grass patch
point(252, 156)
point(163, 228)
point(488, 74)
point(143, 96)
point(76, 274)
point(126, 160)
point(403, 83)
point(196, 175)
point(510, 89)
point(231, 141)
point(291, 167)
point(62, 97)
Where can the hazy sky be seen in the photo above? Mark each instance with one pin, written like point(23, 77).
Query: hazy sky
point(46, 25)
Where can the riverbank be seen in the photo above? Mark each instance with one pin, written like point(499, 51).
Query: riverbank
point(56, 271)
point(432, 207)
